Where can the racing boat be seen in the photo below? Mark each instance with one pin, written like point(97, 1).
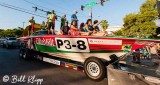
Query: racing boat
point(79, 48)
point(90, 54)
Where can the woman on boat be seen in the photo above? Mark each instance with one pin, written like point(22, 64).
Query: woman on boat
point(88, 26)
point(95, 26)
point(73, 29)
point(97, 31)
point(83, 31)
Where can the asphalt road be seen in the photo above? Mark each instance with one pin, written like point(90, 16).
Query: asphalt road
point(21, 72)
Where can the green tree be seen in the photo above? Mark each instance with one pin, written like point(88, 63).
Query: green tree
point(16, 32)
point(141, 24)
point(118, 32)
point(104, 24)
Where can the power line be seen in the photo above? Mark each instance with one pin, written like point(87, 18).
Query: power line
point(22, 11)
point(54, 4)
point(25, 12)
point(19, 7)
point(48, 8)
point(42, 6)
point(35, 4)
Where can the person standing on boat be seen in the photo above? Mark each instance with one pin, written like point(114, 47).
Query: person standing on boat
point(74, 17)
point(51, 25)
point(63, 20)
point(31, 26)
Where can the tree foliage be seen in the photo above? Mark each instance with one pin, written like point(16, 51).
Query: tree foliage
point(118, 33)
point(141, 24)
point(11, 32)
point(104, 24)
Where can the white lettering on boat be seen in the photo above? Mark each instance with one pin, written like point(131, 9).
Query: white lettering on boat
point(45, 41)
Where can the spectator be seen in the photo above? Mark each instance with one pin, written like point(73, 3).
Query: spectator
point(43, 27)
point(52, 18)
point(74, 17)
point(31, 26)
point(73, 29)
point(63, 20)
point(136, 57)
point(65, 29)
point(154, 54)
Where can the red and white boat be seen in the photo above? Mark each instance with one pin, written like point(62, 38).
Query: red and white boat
point(92, 52)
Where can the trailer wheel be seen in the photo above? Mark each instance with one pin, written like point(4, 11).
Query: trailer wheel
point(20, 53)
point(25, 55)
point(3, 45)
point(95, 69)
point(7, 46)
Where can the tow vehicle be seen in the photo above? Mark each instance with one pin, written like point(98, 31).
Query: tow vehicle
point(89, 54)
point(2, 39)
point(10, 42)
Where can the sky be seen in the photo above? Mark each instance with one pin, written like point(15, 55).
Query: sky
point(113, 11)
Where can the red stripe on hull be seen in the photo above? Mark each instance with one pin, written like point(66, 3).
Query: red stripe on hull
point(105, 47)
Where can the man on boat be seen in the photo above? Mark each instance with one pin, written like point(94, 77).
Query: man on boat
point(51, 25)
point(31, 26)
point(65, 29)
point(74, 17)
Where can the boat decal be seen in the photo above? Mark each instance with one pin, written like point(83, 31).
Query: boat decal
point(72, 44)
point(105, 41)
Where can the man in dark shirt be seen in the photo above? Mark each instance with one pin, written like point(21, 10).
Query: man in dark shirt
point(65, 29)
point(63, 20)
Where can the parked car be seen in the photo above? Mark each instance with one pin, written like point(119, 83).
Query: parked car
point(10, 42)
point(2, 39)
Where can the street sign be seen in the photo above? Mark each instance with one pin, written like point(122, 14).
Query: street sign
point(90, 4)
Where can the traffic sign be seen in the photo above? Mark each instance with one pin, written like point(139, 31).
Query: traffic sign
point(90, 4)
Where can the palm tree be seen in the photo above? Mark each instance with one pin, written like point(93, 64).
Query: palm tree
point(104, 24)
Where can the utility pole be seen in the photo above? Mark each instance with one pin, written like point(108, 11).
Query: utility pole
point(23, 24)
point(91, 14)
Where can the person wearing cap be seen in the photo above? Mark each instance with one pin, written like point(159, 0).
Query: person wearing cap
point(74, 17)
point(65, 29)
point(51, 25)
point(31, 25)
point(63, 20)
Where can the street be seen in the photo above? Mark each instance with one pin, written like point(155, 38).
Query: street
point(14, 67)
